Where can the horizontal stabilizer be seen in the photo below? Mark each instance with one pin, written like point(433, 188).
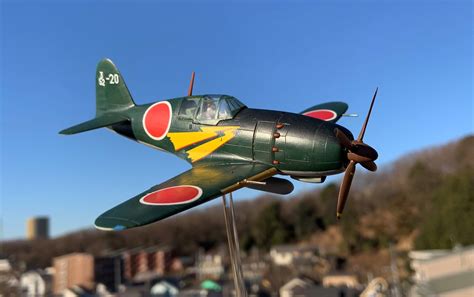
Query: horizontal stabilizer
point(99, 122)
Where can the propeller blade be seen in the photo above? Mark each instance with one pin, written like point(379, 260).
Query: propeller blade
point(191, 85)
point(362, 131)
point(343, 139)
point(345, 187)
point(358, 152)
point(366, 151)
point(357, 158)
point(370, 165)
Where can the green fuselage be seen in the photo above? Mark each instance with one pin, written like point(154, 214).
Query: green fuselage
point(295, 144)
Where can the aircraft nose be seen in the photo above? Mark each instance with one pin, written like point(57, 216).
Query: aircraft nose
point(334, 152)
point(343, 130)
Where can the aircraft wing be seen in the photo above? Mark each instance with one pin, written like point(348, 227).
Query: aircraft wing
point(187, 190)
point(330, 111)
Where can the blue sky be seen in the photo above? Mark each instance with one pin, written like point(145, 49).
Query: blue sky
point(275, 55)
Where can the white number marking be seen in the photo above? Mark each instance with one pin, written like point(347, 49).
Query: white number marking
point(113, 78)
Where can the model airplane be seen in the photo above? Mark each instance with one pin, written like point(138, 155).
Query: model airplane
point(229, 146)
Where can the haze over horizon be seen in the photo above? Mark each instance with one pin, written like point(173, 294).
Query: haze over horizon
point(286, 56)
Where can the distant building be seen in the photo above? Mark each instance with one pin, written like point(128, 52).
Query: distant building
point(144, 264)
point(37, 228)
point(254, 270)
point(5, 265)
point(181, 264)
point(164, 289)
point(9, 283)
point(108, 271)
point(340, 280)
point(254, 266)
point(211, 266)
point(36, 283)
point(299, 287)
point(294, 286)
point(443, 273)
point(71, 270)
point(286, 255)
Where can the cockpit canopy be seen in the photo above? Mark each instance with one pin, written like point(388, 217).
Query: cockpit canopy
point(210, 109)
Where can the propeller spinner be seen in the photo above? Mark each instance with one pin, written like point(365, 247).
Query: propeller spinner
point(358, 153)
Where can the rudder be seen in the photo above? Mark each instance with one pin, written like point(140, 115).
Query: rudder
point(111, 91)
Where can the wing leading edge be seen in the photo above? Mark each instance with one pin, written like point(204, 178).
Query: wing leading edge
point(189, 189)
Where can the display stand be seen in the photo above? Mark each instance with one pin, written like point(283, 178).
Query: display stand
point(234, 248)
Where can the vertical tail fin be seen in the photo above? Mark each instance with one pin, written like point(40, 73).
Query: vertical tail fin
point(111, 91)
point(112, 96)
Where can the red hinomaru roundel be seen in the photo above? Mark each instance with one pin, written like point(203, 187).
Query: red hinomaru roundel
point(157, 120)
point(172, 195)
point(322, 114)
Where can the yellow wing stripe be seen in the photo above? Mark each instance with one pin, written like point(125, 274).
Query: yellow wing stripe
point(205, 149)
point(181, 140)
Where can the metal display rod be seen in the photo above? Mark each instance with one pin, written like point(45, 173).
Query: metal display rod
point(234, 248)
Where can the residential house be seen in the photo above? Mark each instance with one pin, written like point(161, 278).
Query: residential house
point(35, 283)
point(164, 289)
point(210, 266)
point(443, 273)
point(340, 280)
point(286, 255)
point(9, 282)
point(302, 287)
point(142, 264)
point(70, 270)
point(295, 287)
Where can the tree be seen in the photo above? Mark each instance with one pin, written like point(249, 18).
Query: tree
point(328, 200)
point(306, 218)
point(270, 228)
point(451, 217)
